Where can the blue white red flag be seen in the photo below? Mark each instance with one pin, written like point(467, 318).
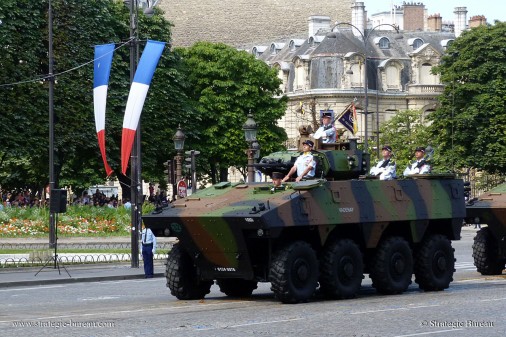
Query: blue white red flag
point(137, 95)
point(102, 69)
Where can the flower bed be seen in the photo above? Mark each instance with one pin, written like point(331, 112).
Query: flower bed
point(80, 220)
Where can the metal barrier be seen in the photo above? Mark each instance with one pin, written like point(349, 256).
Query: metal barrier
point(77, 258)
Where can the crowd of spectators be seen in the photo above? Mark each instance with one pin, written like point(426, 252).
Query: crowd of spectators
point(99, 199)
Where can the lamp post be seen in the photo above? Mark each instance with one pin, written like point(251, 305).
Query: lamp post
point(52, 183)
point(365, 38)
point(179, 138)
point(250, 128)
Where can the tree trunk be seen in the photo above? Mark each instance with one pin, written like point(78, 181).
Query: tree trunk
point(223, 173)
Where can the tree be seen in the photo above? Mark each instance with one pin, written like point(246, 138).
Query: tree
point(404, 132)
point(470, 124)
point(226, 84)
point(78, 25)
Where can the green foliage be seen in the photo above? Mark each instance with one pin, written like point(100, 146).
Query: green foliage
point(404, 132)
point(78, 25)
point(225, 85)
point(470, 125)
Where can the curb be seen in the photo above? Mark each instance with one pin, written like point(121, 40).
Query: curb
point(71, 279)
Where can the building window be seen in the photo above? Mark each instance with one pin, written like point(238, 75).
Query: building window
point(384, 43)
point(417, 43)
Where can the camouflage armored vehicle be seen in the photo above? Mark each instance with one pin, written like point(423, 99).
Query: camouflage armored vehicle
point(326, 233)
point(489, 247)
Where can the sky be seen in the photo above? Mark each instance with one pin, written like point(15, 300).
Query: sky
point(492, 9)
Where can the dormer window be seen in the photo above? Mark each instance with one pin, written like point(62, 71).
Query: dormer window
point(384, 43)
point(446, 43)
point(415, 42)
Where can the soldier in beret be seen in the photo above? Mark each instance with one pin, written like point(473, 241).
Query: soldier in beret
point(386, 167)
point(419, 165)
point(304, 165)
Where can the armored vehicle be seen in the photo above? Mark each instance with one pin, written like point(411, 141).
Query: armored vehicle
point(324, 233)
point(489, 247)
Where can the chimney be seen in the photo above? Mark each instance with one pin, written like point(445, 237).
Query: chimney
point(460, 20)
point(477, 20)
point(435, 23)
point(318, 22)
point(413, 16)
point(358, 17)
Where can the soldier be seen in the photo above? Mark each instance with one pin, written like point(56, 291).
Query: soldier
point(326, 132)
point(386, 167)
point(304, 165)
point(148, 250)
point(277, 183)
point(420, 165)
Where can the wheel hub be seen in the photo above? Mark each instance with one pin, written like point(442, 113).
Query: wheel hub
point(440, 261)
point(301, 270)
point(399, 265)
point(346, 267)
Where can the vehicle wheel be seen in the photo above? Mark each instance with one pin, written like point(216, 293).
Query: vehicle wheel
point(486, 254)
point(294, 273)
point(342, 270)
point(182, 277)
point(434, 263)
point(236, 287)
point(392, 266)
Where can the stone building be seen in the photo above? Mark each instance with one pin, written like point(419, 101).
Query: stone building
point(325, 71)
point(241, 22)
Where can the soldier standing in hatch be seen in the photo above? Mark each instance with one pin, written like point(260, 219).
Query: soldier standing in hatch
point(386, 167)
point(420, 165)
point(277, 181)
point(326, 132)
point(304, 165)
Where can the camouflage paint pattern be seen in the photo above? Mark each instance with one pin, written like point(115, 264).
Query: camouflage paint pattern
point(217, 226)
point(490, 209)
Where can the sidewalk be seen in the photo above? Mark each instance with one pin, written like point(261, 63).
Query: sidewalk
point(16, 277)
point(25, 276)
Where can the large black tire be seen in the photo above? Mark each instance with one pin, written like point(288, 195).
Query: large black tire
point(236, 287)
point(486, 254)
point(294, 273)
point(392, 266)
point(434, 263)
point(182, 277)
point(342, 270)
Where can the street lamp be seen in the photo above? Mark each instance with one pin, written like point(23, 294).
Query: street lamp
point(179, 138)
point(250, 128)
point(365, 38)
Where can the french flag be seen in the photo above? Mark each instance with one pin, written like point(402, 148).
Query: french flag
point(137, 95)
point(102, 69)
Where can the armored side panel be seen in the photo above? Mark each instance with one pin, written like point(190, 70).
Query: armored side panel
point(490, 209)
point(229, 230)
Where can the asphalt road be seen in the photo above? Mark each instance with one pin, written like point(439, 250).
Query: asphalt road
point(474, 305)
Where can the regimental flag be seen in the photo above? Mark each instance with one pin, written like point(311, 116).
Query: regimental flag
point(137, 95)
point(102, 69)
point(348, 118)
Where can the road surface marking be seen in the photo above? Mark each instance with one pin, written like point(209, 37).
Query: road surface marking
point(395, 309)
point(429, 333)
point(34, 288)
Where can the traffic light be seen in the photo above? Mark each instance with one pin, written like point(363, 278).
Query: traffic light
point(192, 166)
point(170, 172)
